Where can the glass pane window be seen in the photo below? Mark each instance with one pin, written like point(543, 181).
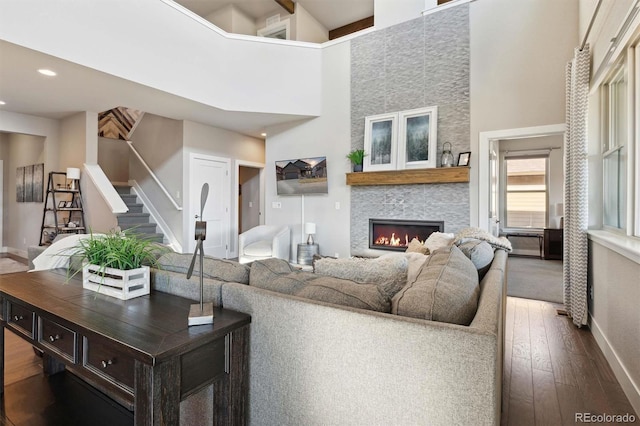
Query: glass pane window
point(526, 192)
point(615, 150)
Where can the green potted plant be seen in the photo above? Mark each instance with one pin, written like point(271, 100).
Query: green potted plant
point(356, 157)
point(117, 263)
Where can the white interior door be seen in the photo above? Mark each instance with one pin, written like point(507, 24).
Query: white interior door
point(494, 188)
point(215, 172)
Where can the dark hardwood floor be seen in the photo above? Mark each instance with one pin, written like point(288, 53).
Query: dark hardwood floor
point(552, 370)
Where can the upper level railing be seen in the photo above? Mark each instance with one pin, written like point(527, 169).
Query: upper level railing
point(154, 177)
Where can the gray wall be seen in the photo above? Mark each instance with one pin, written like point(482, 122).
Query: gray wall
point(21, 221)
point(113, 157)
point(419, 63)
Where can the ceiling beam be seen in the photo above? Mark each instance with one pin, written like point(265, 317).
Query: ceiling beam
point(288, 5)
point(351, 28)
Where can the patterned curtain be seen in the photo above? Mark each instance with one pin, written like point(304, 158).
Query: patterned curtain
point(575, 188)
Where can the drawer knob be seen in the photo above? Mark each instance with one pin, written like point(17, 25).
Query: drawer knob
point(54, 338)
point(18, 317)
point(106, 363)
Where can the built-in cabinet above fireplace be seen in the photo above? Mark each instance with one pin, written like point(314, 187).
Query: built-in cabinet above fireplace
point(410, 176)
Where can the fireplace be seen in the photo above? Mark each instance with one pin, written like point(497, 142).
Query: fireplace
point(394, 234)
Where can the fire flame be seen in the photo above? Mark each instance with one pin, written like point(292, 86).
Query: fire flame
point(393, 240)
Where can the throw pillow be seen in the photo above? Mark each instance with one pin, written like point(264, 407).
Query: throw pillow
point(213, 268)
point(277, 275)
point(438, 240)
point(445, 290)
point(480, 252)
point(415, 246)
point(389, 271)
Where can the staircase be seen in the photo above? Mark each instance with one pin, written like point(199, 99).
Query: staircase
point(135, 218)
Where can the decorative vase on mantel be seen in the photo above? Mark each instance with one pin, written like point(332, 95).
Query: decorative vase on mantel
point(356, 156)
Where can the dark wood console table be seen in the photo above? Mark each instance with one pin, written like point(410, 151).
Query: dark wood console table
point(139, 352)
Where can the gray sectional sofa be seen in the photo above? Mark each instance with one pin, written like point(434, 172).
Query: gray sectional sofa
point(319, 363)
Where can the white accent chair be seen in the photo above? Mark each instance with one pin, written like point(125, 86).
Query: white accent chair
point(263, 242)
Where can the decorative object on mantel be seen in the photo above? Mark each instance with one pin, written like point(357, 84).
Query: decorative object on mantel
point(447, 156)
point(310, 228)
point(356, 157)
point(117, 264)
point(463, 159)
point(201, 313)
point(73, 174)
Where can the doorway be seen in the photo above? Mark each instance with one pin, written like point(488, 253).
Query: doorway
point(249, 196)
point(488, 204)
point(213, 171)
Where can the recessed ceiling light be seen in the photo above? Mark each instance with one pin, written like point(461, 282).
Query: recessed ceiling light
point(3, 103)
point(264, 135)
point(47, 72)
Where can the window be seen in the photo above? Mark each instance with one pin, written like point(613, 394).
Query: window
point(614, 149)
point(526, 191)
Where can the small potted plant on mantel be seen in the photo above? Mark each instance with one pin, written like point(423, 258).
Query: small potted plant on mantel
point(356, 157)
point(117, 263)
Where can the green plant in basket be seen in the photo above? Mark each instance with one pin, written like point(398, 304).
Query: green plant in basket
point(118, 250)
point(116, 255)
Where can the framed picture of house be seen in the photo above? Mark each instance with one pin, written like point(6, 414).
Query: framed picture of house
point(417, 141)
point(380, 140)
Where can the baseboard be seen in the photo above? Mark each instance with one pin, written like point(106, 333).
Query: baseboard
point(15, 254)
point(630, 388)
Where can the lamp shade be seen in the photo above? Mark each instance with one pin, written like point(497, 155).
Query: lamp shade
point(73, 173)
point(309, 228)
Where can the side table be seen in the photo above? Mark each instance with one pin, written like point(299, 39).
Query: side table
point(306, 253)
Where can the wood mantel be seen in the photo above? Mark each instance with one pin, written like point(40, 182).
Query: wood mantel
point(410, 176)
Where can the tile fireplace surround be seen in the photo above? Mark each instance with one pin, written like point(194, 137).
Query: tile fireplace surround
point(441, 202)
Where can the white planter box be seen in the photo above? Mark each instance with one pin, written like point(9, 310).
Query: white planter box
point(124, 285)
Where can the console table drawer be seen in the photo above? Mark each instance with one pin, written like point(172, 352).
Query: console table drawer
point(57, 338)
point(107, 360)
point(21, 317)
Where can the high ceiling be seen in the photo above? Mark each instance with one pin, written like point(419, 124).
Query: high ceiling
point(78, 88)
point(331, 14)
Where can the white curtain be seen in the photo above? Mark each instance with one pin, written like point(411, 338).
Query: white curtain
point(575, 188)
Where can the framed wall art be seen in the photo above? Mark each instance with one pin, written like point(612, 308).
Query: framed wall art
point(380, 142)
point(463, 158)
point(417, 141)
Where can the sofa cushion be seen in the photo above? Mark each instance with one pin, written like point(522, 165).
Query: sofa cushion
point(438, 240)
point(480, 252)
point(219, 269)
point(446, 289)
point(388, 271)
point(415, 246)
point(258, 249)
point(277, 275)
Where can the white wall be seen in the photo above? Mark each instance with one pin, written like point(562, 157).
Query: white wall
point(158, 44)
point(519, 51)
point(199, 138)
point(308, 28)
point(328, 135)
point(392, 12)
point(232, 20)
point(614, 287)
